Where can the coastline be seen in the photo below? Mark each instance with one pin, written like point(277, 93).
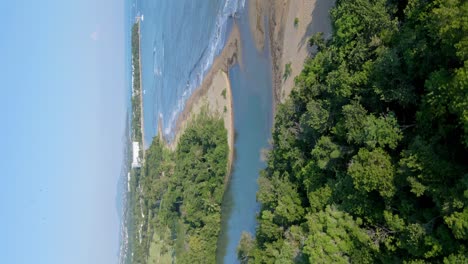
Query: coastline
point(288, 43)
point(142, 119)
point(215, 92)
point(210, 94)
point(136, 136)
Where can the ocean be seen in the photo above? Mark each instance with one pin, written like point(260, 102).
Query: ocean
point(179, 41)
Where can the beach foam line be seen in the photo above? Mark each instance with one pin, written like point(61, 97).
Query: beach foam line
point(230, 9)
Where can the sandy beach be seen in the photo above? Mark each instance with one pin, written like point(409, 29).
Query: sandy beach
point(313, 16)
point(211, 94)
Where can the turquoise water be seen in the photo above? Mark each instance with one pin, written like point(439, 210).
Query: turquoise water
point(253, 114)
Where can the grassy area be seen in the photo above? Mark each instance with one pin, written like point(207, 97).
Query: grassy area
point(159, 251)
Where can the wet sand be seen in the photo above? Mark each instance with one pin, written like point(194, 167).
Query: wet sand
point(313, 17)
point(210, 94)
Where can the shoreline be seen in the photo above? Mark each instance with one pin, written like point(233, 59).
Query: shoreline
point(283, 36)
point(272, 16)
point(209, 94)
point(277, 17)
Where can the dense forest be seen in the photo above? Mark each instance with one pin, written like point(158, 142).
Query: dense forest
point(369, 162)
point(177, 196)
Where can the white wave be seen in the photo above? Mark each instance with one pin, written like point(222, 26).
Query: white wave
point(230, 9)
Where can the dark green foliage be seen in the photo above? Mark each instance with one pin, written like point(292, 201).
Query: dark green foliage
point(136, 104)
point(372, 171)
point(317, 40)
point(369, 162)
point(246, 245)
point(287, 71)
point(223, 93)
point(182, 191)
point(335, 237)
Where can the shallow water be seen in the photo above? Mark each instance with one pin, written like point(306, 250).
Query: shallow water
point(251, 85)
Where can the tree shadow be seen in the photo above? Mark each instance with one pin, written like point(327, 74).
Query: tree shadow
point(320, 22)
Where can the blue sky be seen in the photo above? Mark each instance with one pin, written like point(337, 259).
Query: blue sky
point(63, 92)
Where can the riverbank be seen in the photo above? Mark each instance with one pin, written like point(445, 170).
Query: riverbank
point(288, 44)
point(291, 23)
point(215, 93)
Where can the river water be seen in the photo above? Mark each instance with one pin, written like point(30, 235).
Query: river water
point(252, 94)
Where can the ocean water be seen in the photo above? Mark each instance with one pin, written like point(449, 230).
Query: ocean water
point(179, 41)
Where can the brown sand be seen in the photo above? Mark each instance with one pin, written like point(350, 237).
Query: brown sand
point(210, 94)
point(257, 9)
point(313, 17)
point(288, 43)
point(277, 17)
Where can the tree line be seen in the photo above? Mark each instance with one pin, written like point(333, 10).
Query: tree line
point(369, 161)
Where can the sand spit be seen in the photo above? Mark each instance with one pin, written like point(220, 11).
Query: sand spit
point(211, 94)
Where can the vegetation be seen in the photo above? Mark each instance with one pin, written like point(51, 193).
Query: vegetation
point(134, 215)
point(287, 71)
point(175, 197)
point(296, 22)
point(223, 93)
point(369, 157)
point(180, 195)
point(136, 103)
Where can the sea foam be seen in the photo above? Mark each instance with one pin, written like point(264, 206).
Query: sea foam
point(230, 9)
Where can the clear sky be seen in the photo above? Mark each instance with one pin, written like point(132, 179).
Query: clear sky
point(62, 120)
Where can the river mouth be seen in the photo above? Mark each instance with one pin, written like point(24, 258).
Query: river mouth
point(252, 94)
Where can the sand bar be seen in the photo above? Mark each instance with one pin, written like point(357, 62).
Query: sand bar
point(210, 93)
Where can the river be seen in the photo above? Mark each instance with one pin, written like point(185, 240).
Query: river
point(251, 85)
